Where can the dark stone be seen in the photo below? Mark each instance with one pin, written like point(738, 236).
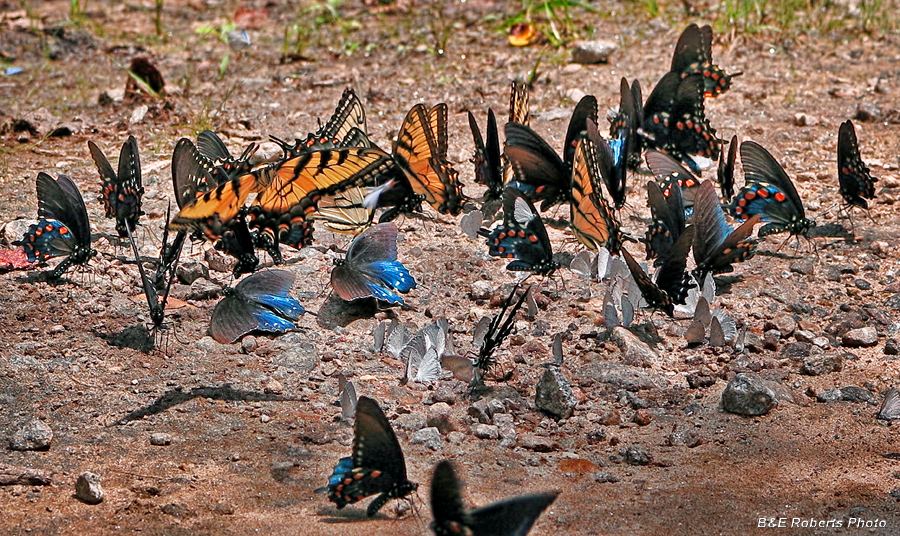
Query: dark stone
point(831, 273)
point(747, 394)
point(803, 266)
point(858, 395)
point(892, 346)
point(862, 284)
point(893, 303)
point(636, 455)
point(753, 342)
point(822, 364)
point(796, 350)
point(34, 435)
point(603, 477)
point(770, 339)
point(831, 395)
point(697, 380)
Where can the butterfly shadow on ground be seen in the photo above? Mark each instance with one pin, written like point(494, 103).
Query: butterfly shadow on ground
point(331, 514)
point(337, 312)
point(177, 396)
point(136, 337)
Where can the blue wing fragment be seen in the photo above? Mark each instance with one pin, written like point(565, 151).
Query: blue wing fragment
point(284, 306)
point(394, 274)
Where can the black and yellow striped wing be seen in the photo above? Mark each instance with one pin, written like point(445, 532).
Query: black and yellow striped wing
point(593, 221)
point(421, 152)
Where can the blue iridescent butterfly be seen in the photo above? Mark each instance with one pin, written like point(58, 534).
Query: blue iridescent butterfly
point(539, 171)
point(371, 269)
point(122, 191)
point(716, 245)
point(521, 236)
point(376, 466)
point(64, 228)
point(624, 145)
point(769, 192)
point(259, 302)
point(856, 184)
point(512, 517)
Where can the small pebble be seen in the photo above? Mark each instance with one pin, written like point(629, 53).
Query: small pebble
point(35, 435)
point(87, 488)
point(160, 439)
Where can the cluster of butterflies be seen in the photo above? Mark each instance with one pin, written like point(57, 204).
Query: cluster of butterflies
point(337, 175)
point(670, 131)
point(377, 467)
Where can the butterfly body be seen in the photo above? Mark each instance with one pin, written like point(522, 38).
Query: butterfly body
point(64, 228)
point(121, 192)
point(376, 466)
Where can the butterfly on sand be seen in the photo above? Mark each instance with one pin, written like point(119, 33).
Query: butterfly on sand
point(770, 193)
point(121, 192)
point(512, 517)
point(63, 229)
point(376, 465)
point(157, 307)
point(668, 222)
point(521, 236)
point(672, 281)
point(856, 183)
point(371, 269)
point(259, 302)
point(725, 172)
point(593, 222)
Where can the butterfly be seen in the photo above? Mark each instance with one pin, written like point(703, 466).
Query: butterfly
point(725, 172)
point(237, 241)
point(769, 192)
point(376, 466)
point(222, 165)
point(157, 307)
point(64, 228)
point(489, 334)
point(674, 120)
point(670, 173)
point(346, 212)
point(539, 171)
point(693, 55)
point(716, 245)
point(856, 184)
point(512, 517)
point(592, 220)
point(521, 236)
point(371, 269)
point(259, 302)
point(625, 146)
point(489, 166)
point(668, 222)
point(420, 152)
point(122, 191)
point(422, 355)
point(672, 280)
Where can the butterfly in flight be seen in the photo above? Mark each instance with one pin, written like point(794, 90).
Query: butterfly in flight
point(371, 269)
point(376, 465)
point(512, 517)
point(63, 229)
point(259, 302)
point(121, 192)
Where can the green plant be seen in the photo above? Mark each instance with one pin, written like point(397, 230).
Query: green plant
point(223, 37)
point(553, 18)
point(158, 18)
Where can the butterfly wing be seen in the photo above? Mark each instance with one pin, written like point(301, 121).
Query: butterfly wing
point(488, 163)
point(512, 517)
point(371, 267)
point(856, 183)
point(716, 245)
point(446, 501)
point(668, 219)
point(672, 277)
point(539, 172)
point(585, 110)
point(521, 236)
point(347, 116)
point(726, 169)
point(271, 288)
point(421, 152)
point(60, 200)
point(592, 220)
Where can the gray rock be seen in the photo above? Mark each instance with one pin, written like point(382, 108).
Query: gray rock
point(301, 356)
point(248, 344)
point(831, 395)
point(858, 395)
point(796, 350)
point(636, 455)
point(591, 52)
point(890, 407)
point(443, 393)
point(822, 342)
point(554, 395)
point(481, 290)
point(537, 443)
point(803, 266)
point(204, 289)
point(620, 376)
point(440, 416)
point(861, 337)
point(893, 302)
point(219, 262)
point(802, 335)
point(160, 439)
point(410, 422)
point(87, 488)
point(862, 284)
point(487, 431)
point(483, 410)
point(17, 361)
point(603, 477)
point(747, 394)
point(188, 272)
point(822, 364)
point(430, 437)
point(507, 428)
point(455, 438)
point(771, 338)
point(208, 344)
point(892, 346)
point(35, 435)
point(634, 350)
